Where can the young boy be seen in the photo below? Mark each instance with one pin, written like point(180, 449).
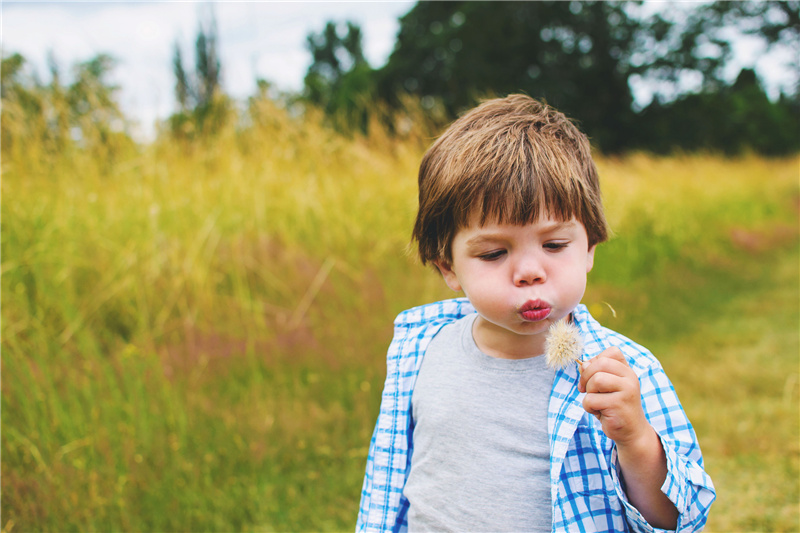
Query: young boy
point(476, 432)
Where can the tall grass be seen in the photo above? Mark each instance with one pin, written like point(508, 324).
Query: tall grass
point(193, 331)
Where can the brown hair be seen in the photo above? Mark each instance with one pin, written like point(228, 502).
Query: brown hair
point(509, 160)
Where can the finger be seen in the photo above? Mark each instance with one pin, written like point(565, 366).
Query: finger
point(604, 403)
point(603, 382)
point(614, 353)
point(601, 364)
point(594, 405)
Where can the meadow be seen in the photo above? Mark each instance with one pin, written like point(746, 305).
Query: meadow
point(193, 332)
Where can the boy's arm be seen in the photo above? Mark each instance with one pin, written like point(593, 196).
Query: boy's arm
point(614, 397)
point(644, 469)
point(686, 484)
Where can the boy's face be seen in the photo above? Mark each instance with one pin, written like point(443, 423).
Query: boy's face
point(520, 279)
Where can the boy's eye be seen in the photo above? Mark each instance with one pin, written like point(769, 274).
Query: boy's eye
point(492, 256)
point(555, 246)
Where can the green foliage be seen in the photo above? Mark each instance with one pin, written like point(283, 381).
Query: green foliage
point(339, 79)
point(460, 51)
point(204, 109)
point(584, 58)
point(82, 117)
point(198, 89)
point(731, 121)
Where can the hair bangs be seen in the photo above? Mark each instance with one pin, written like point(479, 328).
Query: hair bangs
point(533, 189)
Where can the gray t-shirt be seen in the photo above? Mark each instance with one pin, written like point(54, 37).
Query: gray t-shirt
point(481, 459)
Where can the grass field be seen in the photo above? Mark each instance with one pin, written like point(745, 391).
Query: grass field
point(193, 335)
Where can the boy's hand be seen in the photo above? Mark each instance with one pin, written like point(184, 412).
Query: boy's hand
point(613, 396)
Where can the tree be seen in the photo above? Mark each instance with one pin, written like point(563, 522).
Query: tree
point(62, 122)
point(198, 89)
point(91, 98)
point(339, 79)
point(202, 107)
point(697, 41)
point(729, 121)
point(23, 99)
point(85, 111)
point(569, 53)
point(582, 57)
point(722, 116)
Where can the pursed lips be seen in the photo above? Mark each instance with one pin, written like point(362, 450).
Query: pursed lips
point(535, 310)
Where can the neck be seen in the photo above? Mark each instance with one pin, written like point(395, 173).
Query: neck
point(503, 344)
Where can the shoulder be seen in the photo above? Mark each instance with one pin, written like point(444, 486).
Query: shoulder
point(598, 338)
point(415, 327)
point(434, 313)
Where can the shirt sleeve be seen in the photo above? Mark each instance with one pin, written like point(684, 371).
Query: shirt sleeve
point(366, 489)
point(687, 484)
point(384, 476)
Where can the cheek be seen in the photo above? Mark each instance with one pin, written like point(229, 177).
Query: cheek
point(571, 278)
point(576, 285)
point(482, 289)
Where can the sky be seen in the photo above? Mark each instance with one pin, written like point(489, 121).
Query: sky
point(256, 39)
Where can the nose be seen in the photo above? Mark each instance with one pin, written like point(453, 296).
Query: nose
point(529, 270)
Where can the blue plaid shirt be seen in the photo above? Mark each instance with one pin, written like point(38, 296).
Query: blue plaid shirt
point(586, 491)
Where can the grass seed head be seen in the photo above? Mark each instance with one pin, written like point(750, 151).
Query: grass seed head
point(564, 344)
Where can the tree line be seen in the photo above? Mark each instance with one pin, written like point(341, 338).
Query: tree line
point(586, 58)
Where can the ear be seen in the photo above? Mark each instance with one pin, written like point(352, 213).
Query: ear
point(590, 259)
point(448, 274)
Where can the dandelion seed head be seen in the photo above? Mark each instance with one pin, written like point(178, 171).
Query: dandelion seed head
point(563, 345)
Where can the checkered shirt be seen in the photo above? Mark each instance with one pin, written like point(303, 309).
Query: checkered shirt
point(585, 485)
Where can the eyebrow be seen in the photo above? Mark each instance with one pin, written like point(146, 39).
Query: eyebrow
point(559, 225)
point(486, 238)
point(495, 237)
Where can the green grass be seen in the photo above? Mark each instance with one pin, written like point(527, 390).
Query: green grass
point(728, 339)
point(193, 337)
point(744, 400)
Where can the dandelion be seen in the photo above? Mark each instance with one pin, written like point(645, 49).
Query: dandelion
point(564, 344)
